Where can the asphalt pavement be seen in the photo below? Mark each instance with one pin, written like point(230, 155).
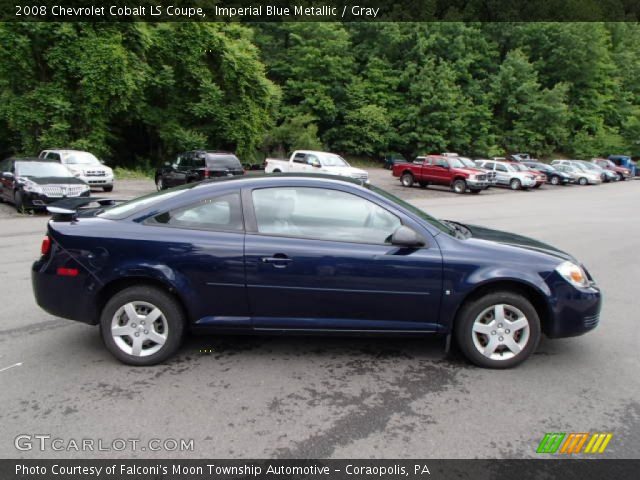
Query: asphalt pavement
point(315, 397)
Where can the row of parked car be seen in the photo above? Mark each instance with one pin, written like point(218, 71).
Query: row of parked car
point(518, 172)
point(33, 183)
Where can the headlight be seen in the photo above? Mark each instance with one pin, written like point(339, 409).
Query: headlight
point(30, 186)
point(574, 274)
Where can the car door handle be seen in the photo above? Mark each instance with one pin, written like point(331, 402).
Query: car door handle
point(279, 260)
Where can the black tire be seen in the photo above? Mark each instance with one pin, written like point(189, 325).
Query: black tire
point(277, 170)
point(108, 188)
point(18, 201)
point(621, 177)
point(424, 184)
point(475, 192)
point(583, 181)
point(555, 180)
point(464, 334)
point(171, 311)
point(537, 185)
point(515, 184)
point(459, 186)
point(407, 179)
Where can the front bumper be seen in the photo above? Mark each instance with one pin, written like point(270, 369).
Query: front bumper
point(97, 181)
point(40, 200)
point(573, 311)
point(593, 181)
point(478, 183)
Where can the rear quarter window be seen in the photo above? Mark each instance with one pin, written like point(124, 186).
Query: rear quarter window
point(223, 161)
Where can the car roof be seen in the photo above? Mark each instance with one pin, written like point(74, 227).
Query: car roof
point(64, 150)
point(268, 177)
point(32, 159)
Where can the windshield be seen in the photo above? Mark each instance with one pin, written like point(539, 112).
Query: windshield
point(455, 162)
point(80, 158)
point(125, 209)
point(332, 160)
point(420, 213)
point(41, 169)
point(467, 162)
point(519, 167)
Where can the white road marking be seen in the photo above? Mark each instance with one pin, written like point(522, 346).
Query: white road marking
point(10, 366)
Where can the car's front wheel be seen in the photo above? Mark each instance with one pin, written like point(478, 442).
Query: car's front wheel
point(515, 184)
point(459, 186)
point(498, 330)
point(583, 181)
point(142, 325)
point(18, 201)
point(555, 180)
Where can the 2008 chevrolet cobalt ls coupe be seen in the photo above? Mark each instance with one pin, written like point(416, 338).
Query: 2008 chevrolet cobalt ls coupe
point(304, 254)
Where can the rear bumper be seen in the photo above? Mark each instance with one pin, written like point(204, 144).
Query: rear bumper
point(62, 296)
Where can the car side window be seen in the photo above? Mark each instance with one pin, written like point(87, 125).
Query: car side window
point(198, 161)
point(299, 158)
point(441, 162)
point(322, 214)
point(312, 160)
point(53, 156)
point(223, 213)
point(501, 168)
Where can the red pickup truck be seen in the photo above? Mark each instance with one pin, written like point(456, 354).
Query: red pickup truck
point(439, 170)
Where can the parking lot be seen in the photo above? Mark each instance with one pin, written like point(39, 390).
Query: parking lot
point(312, 397)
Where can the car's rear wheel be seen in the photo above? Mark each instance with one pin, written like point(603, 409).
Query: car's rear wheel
point(583, 181)
point(555, 180)
point(498, 330)
point(515, 184)
point(407, 179)
point(142, 325)
point(277, 171)
point(459, 186)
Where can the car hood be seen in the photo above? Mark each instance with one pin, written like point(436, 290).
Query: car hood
point(56, 180)
point(471, 171)
point(515, 240)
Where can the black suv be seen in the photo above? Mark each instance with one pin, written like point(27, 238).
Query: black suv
point(197, 165)
point(31, 183)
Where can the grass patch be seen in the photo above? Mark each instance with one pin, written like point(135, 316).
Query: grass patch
point(137, 173)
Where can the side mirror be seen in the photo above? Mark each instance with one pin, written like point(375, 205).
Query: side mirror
point(7, 175)
point(406, 237)
point(316, 164)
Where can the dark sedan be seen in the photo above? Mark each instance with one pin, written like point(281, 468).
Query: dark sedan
point(304, 254)
point(32, 183)
point(198, 165)
point(554, 176)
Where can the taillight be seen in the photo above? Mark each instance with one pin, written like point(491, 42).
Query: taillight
point(46, 245)
point(206, 173)
point(67, 272)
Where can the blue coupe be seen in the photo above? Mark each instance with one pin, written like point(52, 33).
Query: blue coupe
point(303, 254)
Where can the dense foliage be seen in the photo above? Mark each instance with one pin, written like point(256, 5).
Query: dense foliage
point(139, 93)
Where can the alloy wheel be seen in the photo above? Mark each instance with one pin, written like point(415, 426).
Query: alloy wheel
point(139, 328)
point(500, 332)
